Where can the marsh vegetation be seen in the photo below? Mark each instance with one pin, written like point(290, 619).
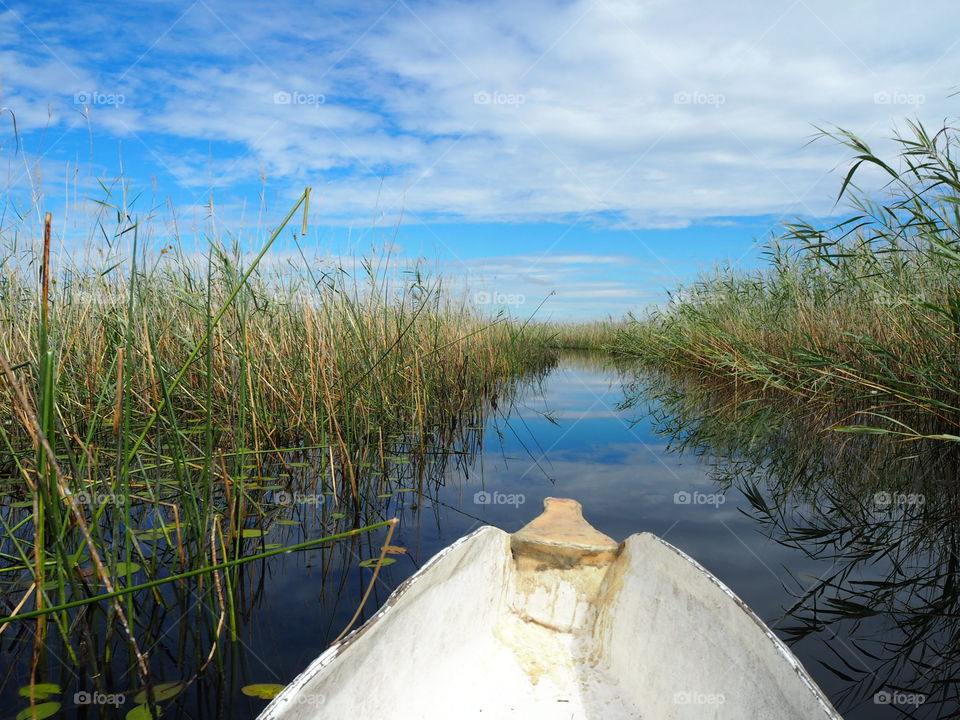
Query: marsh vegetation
point(865, 310)
point(187, 432)
point(159, 409)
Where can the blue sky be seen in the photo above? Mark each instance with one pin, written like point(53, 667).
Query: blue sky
point(601, 151)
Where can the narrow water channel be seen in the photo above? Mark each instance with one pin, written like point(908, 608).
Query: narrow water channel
point(767, 509)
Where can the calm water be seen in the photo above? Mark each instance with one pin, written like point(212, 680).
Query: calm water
point(792, 526)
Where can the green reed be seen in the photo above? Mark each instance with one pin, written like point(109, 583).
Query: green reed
point(143, 396)
point(586, 335)
point(865, 310)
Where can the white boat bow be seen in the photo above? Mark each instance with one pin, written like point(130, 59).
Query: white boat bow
point(558, 621)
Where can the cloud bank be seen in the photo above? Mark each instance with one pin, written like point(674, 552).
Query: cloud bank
point(632, 114)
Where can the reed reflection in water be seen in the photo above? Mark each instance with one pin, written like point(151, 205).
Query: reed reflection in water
point(823, 534)
point(880, 518)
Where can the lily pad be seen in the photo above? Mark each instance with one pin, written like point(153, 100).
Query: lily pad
point(288, 522)
point(272, 546)
point(337, 516)
point(40, 691)
point(251, 533)
point(43, 710)
point(161, 692)
point(124, 567)
point(142, 712)
point(372, 562)
point(264, 691)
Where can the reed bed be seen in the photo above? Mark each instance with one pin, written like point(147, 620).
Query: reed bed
point(593, 335)
point(294, 354)
point(149, 406)
point(865, 311)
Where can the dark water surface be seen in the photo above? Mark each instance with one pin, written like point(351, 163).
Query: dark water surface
point(861, 584)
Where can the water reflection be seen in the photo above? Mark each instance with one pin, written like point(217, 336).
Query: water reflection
point(210, 635)
point(793, 520)
point(880, 519)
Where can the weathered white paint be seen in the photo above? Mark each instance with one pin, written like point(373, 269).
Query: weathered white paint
point(483, 631)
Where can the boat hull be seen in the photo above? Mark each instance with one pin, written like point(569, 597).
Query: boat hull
point(478, 633)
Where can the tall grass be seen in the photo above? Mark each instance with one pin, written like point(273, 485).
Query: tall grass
point(296, 351)
point(864, 311)
point(293, 354)
point(144, 401)
point(589, 335)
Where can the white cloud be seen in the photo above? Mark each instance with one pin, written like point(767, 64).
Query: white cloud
point(638, 114)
